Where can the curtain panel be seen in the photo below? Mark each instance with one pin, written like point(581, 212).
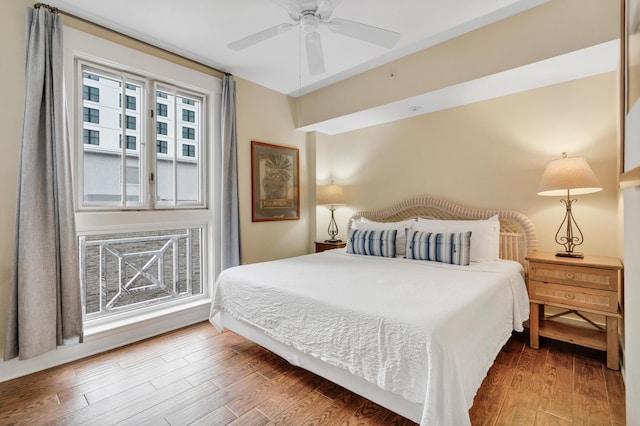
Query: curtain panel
point(45, 308)
point(230, 226)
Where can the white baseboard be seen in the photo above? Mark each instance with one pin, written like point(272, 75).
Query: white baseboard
point(101, 340)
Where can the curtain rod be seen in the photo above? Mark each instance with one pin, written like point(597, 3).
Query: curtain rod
point(51, 9)
point(55, 10)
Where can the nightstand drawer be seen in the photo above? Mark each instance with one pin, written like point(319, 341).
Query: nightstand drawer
point(596, 278)
point(606, 301)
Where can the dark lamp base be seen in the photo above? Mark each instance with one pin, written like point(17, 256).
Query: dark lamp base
point(333, 240)
point(572, 254)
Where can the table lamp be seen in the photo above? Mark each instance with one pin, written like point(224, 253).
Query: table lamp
point(568, 176)
point(331, 195)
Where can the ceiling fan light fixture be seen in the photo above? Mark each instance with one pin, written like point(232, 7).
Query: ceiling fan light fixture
point(309, 21)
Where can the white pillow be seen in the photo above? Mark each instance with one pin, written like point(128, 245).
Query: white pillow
point(401, 237)
point(485, 235)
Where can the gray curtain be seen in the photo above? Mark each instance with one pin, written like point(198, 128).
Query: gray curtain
point(45, 308)
point(231, 253)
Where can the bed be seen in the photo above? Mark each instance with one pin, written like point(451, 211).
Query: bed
point(414, 334)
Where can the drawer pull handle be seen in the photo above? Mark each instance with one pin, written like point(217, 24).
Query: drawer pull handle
point(569, 296)
point(570, 275)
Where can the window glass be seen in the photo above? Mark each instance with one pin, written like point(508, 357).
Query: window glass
point(179, 172)
point(104, 158)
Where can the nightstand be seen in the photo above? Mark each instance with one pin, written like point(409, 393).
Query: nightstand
point(579, 286)
point(324, 245)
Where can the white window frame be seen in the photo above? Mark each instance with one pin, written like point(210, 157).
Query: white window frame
point(147, 139)
point(200, 143)
point(80, 46)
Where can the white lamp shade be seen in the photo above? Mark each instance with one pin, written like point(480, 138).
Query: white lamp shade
point(331, 194)
point(568, 174)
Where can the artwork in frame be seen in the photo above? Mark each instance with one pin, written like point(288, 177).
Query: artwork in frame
point(275, 177)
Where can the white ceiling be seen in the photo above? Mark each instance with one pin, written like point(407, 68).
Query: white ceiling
point(202, 29)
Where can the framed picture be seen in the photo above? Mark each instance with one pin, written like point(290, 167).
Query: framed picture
point(275, 177)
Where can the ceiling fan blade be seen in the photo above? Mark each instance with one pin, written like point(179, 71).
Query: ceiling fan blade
point(326, 8)
point(252, 39)
point(315, 57)
point(364, 32)
point(292, 8)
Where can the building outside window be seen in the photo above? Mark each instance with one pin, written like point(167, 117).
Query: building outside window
point(90, 137)
point(131, 122)
point(131, 142)
point(91, 115)
point(188, 150)
point(131, 102)
point(90, 93)
point(162, 109)
point(188, 116)
point(161, 128)
point(161, 147)
point(188, 133)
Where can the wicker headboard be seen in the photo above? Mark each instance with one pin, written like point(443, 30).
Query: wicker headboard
point(517, 233)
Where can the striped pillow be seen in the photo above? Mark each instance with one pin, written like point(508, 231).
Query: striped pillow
point(445, 247)
point(372, 242)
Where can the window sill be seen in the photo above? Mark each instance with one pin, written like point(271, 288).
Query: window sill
point(198, 310)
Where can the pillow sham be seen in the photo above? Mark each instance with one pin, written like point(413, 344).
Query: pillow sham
point(400, 226)
point(372, 242)
point(485, 240)
point(453, 248)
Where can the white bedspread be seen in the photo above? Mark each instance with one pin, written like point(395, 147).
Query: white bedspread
point(424, 330)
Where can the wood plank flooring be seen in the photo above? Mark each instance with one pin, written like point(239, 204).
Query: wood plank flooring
point(197, 376)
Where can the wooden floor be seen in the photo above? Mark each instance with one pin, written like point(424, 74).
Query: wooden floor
point(201, 377)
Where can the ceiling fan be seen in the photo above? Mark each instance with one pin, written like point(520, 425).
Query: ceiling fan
point(309, 15)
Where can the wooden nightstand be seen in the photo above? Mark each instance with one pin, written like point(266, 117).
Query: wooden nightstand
point(324, 245)
point(588, 285)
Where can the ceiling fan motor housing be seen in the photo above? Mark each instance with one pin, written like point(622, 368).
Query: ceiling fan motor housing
point(309, 21)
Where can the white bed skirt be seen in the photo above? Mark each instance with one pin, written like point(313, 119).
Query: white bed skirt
point(391, 401)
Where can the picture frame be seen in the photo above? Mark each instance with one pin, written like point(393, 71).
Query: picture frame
point(275, 182)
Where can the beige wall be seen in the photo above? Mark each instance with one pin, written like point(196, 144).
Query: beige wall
point(265, 116)
point(490, 154)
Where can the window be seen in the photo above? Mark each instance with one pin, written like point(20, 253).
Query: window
point(131, 102)
point(90, 93)
point(178, 173)
point(145, 221)
point(90, 137)
point(91, 115)
point(131, 122)
point(131, 142)
point(188, 150)
point(178, 168)
point(170, 267)
point(189, 116)
point(161, 147)
point(161, 128)
point(188, 133)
